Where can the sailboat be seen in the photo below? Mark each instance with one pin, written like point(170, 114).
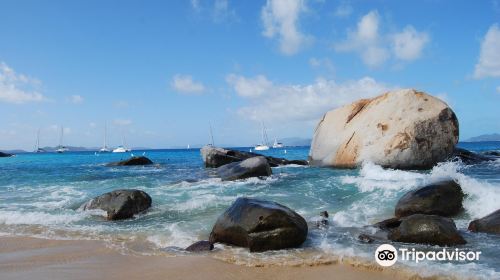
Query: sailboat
point(276, 144)
point(38, 149)
point(122, 148)
point(105, 148)
point(263, 146)
point(61, 148)
point(211, 135)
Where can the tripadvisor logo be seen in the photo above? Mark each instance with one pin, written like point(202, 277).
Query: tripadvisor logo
point(387, 255)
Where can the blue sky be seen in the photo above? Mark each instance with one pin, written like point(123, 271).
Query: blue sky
point(159, 71)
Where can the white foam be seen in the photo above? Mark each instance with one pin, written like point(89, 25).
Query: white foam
point(373, 177)
point(38, 218)
point(173, 235)
point(385, 186)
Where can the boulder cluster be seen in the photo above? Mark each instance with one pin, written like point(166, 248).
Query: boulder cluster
point(424, 216)
point(234, 164)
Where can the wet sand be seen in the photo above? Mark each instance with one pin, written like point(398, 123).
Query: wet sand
point(33, 258)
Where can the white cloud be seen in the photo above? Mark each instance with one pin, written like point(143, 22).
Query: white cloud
point(300, 102)
point(343, 10)
point(17, 88)
point(186, 84)
point(374, 47)
point(218, 10)
point(76, 99)
point(122, 122)
point(196, 5)
point(249, 87)
point(489, 57)
point(365, 40)
point(280, 19)
point(322, 63)
point(409, 43)
point(222, 11)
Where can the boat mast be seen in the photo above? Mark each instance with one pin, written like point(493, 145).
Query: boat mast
point(38, 140)
point(265, 141)
point(61, 137)
point(105, 135)
point(211, 134)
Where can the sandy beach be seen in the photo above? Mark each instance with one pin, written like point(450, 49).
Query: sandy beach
point(33, 258)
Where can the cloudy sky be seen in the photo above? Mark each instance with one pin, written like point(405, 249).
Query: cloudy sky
point(159, 71)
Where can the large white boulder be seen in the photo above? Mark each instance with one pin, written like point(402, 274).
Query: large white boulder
point(404, 129)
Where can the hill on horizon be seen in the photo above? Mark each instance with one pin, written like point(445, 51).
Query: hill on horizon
point(484, 137)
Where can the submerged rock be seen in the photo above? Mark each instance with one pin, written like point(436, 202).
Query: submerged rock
point(216, 157)
point(442, 198)
point(427, 229)
point(142, 160)
point(120, 204)
point(2, 154)
point(469, 157)
point(259, 225)
point(488, 224)
point(252, 167)
point(323, 222)
point(200, 246)
point(492, 153)
point(404, 129)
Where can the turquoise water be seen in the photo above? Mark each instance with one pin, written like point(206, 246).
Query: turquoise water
point(40, 195)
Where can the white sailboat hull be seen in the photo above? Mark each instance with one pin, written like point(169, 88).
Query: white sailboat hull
point(261, 148)
point(121, 150)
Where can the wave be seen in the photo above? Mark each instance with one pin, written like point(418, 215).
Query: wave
point(383, 187)
point(39, 218)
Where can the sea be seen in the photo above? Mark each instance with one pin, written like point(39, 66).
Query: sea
point(41, 195)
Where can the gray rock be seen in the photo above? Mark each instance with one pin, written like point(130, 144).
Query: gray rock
point(120, 204)
point(200, 246)
point(252, 167)
point(488, 224)
point(142, 160)
point(492, 153)
point(469, 157)
point(215, 157)
point(2, 154)
point(427, 229)
point(442, 198)
point(260, 226)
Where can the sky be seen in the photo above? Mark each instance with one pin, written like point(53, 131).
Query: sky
point(158, 72)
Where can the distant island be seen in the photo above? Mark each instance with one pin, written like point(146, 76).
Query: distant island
point(296, 141)
point(484, 137)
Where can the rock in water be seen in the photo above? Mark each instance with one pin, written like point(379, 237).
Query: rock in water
point(2, 154)
point(216, 157)
point(443, 199)
point(469, 157)
point(495, 153)
point(200, 246)
point(252, 167)
point(142, 160)
point(404, 129)
point(260, 226)
point(427, 229)
point(489, 224)
point(120, 204)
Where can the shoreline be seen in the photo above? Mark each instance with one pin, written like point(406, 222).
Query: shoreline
point(36, 258)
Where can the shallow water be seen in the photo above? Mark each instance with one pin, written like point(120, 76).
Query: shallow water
point(40, 195)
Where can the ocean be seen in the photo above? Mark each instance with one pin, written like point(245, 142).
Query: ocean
point(40, 195)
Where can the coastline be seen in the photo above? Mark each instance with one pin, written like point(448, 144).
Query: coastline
point(36, 258)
